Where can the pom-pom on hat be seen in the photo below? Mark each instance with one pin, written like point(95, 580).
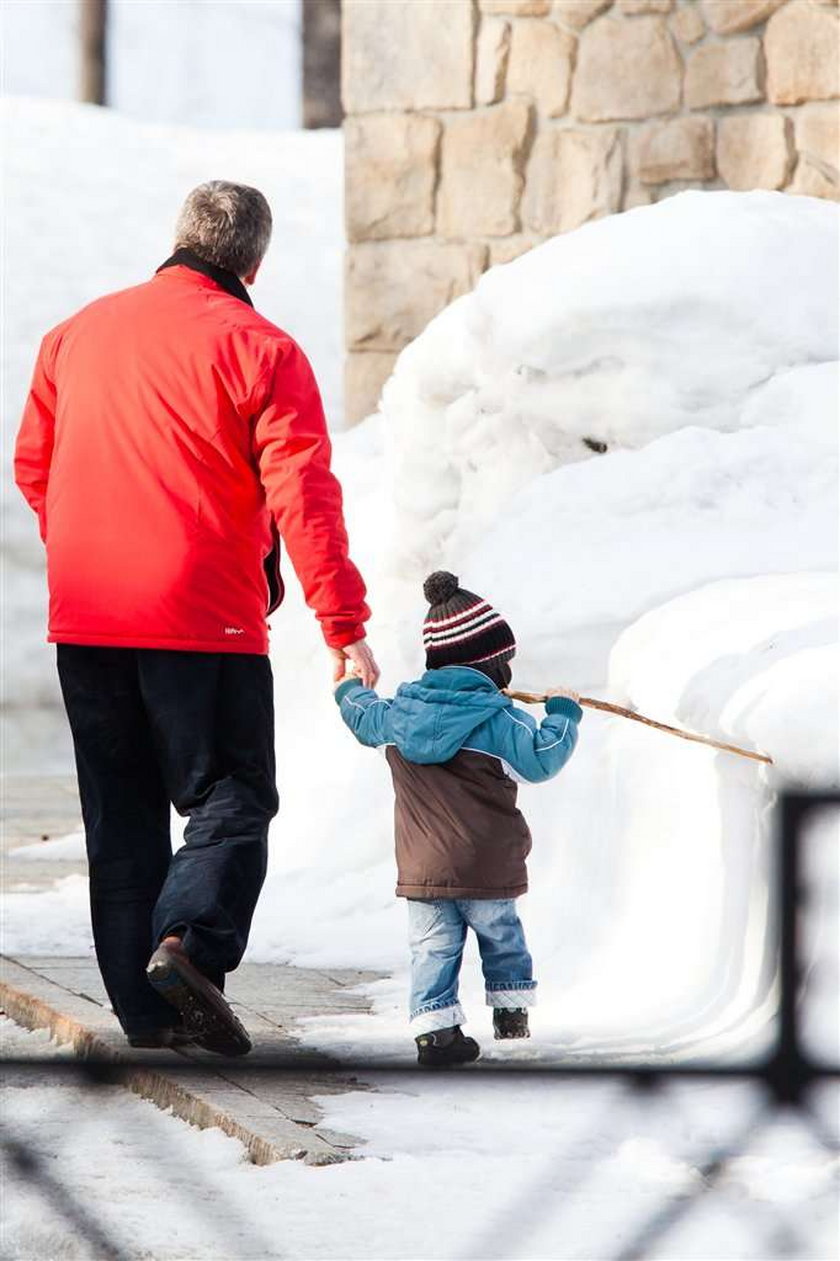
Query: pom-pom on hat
point(461, 629)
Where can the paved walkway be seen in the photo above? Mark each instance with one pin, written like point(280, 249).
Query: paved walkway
point(272, 1112)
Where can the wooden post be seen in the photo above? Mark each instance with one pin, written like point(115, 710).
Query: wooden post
point(322, 63)
point(93, 30)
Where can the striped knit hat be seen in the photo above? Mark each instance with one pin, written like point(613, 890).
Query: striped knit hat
point(461, 629)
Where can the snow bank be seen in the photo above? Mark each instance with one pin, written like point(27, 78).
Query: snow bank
point(596, 544)
point(631, 327)
point(751, 662)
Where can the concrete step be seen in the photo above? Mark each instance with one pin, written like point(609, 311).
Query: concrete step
point(272, 1112)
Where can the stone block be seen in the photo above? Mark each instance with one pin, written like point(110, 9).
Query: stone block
point(727, 73)
point(809, 181)
point(573, 176)
point(626, 69)
point(541, 58)
point(725, 17)
point(802, 54)
point(578, 13)
point(391, 169)
point(480, 171)
point(517, 8)
point(492, 54)
point(636, 195)
point(393, 288)
point(687, 24)
point(393, 56)
point(680, 149)
point(817, 131)
point(365, 373)
point(633, 7)
point(754, 150)
point(511, 247)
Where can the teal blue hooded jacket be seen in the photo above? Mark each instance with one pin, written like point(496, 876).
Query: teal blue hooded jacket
point(457, 708)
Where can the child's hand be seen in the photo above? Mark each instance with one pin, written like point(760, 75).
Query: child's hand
point(563, 691)
point(350, 673)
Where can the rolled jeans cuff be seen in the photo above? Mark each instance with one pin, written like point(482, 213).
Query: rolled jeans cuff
point(429, 1020)
point(511, 997)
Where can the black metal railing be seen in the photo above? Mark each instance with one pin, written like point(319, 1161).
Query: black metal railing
point(787, 1073)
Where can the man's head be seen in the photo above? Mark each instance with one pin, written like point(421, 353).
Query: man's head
point(228, 225)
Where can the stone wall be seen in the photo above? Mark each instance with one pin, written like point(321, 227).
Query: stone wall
point(477, 128)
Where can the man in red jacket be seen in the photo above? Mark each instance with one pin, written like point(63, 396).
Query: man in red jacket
point(171, 436)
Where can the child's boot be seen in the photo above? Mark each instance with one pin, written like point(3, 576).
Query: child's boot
point(510, 1023)
point(446, 1046)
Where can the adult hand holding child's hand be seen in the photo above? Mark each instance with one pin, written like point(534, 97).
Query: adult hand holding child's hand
point(355, 659)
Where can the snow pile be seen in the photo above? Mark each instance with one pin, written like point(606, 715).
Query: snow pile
point(750, 661)
point(630, 328)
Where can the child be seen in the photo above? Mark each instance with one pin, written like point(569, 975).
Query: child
point(456, 745)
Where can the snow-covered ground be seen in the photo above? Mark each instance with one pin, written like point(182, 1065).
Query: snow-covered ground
point(453, 1169)
point(689, 570)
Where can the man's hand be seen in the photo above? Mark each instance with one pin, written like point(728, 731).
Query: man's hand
point(563, 691)
point(361, 661)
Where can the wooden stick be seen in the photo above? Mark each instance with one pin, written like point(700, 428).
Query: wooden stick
point(535, 698)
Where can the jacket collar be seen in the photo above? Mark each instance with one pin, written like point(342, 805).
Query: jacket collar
point(224, 279)
point(460, 678)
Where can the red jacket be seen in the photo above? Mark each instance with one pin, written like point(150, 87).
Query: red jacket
point(168, 427)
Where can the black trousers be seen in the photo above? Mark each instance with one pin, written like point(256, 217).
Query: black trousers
point(150, 728)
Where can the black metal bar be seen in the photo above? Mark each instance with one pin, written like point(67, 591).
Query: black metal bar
point(711, 1170)
point(790, 1070)
point(643, 1076)
point(31, 1167)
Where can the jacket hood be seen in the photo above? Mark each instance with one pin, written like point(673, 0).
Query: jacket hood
point(433, 718)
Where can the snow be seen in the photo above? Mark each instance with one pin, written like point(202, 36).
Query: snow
point(61, 849)
point(257, 84)
point(632, 327)
point(759, 657)
point(452, 1168)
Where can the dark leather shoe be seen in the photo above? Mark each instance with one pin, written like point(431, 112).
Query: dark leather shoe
point(446, 1047)
point(206, 1015)
point(168, 1037)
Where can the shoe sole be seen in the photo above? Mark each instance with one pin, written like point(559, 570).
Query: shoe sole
point(157, 1043)
point(207, 1016)
point(443, 1063)
point(511, 1037)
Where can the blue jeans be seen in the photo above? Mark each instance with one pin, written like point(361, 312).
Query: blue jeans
point(437, 933)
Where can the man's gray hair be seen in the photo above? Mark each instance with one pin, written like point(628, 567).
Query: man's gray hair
point(225, 224)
